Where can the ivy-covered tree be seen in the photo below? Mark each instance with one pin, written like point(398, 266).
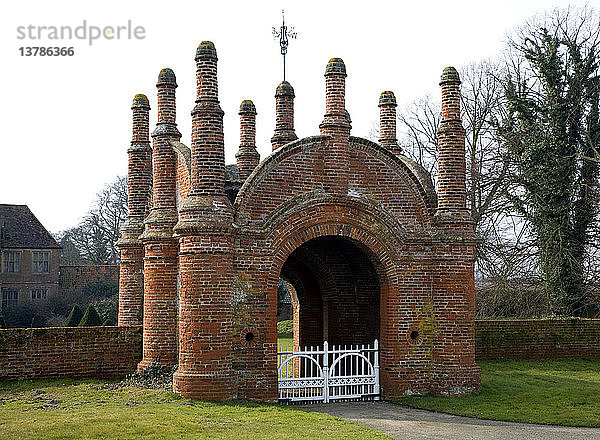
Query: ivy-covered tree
point(551, 129)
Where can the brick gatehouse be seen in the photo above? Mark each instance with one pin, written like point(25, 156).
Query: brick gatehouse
point(354, 228)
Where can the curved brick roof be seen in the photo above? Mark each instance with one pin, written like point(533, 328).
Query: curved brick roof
point(19, 228)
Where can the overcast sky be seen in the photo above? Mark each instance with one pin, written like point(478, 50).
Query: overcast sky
point(66, 121)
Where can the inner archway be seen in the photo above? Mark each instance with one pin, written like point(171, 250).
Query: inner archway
point(338, 292)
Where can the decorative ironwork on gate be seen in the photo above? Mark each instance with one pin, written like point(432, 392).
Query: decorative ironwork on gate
point(329, 373)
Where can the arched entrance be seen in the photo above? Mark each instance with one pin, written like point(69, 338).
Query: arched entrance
point(338, 290)
point(336, 295)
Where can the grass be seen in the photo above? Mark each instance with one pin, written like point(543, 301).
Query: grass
point(284, 342)
point(285, 339)
point(557, 392)
point(65, 409)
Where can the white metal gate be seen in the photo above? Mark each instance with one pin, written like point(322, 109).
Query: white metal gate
point(326, 374)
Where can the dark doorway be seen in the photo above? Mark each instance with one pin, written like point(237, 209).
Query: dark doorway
point(337, 290)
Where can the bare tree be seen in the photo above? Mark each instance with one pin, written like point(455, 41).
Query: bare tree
point(94, 240)
point(418, 126)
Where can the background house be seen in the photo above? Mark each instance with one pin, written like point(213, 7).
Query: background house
point(30, 258)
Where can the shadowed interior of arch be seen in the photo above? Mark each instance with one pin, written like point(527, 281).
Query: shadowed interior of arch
point(337, 290)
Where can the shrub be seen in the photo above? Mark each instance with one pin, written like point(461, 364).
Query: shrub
point(74, 317)
point(101, 289)
point(108, 309)
point(90, 318)
point(23, 315)
point(2, 323)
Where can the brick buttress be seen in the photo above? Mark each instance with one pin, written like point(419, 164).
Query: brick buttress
point(139, 188)
point(454, 368)
point(160, 246)
point(206, 251)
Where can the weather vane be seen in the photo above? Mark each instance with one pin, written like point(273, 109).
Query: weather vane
point(284, 35)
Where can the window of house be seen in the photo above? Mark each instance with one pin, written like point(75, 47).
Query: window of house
point(11, 261)
point(39, 293)
point(10, 297)
point(40, 261)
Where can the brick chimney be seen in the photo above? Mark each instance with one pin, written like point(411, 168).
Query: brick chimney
point(247, 156)
point(160, 247)
point(284, 116)
point(139, 187)
point(387, 122)
point(336, 125)
point(451, 153)
point(206, 251)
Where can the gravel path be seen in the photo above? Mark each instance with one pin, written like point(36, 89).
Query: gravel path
point(414, 424)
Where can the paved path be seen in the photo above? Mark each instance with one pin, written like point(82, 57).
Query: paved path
point(414, 424)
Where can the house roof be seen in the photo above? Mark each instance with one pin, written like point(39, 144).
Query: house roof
point(19, 228)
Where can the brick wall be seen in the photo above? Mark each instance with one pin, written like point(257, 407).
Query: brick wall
point(537, 339)
point(91, 352)
point(113, 352)
point(77, 277)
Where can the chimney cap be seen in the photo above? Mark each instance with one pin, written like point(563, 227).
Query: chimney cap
point(166, 77)
point(387, 98)
point(284, 89)
point(206, 50)
point(140, 101)
point(247, 107)
point(450, 75)
point(335, 66)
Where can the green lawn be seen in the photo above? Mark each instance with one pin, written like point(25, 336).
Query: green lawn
point(284, 343)
point(558, 392)
point(64, 409)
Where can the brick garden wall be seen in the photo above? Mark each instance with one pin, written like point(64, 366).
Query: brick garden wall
point(90, 352)
point(77, 277)
point(113, 352)
point(537, 339)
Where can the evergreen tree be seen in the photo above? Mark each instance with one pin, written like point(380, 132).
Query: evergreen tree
point(90, 318)
point(2, 323)
point(551, 129)
point(74, 317)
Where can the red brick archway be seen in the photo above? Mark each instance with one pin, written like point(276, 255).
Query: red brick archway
point(211, 265)
point(353, 224)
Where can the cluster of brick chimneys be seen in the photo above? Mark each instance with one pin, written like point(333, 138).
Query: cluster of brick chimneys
point(177, 261)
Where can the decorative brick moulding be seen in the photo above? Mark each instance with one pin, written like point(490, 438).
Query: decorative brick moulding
point(354, 227)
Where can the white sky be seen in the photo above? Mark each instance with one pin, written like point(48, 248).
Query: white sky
point(66, 121)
